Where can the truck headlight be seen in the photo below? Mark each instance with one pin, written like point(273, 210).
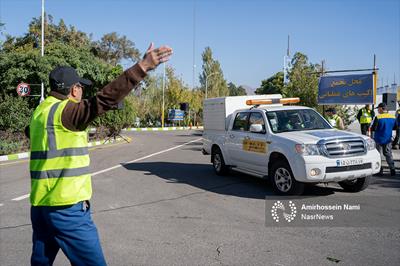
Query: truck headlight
point(307, 149)
point(370, 144)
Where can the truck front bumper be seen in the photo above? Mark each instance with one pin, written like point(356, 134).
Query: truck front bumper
point(320, 169)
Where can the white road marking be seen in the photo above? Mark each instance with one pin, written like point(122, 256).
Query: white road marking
point(1, 204)
point(142, 158)
point(21, 198)
point(122, 164)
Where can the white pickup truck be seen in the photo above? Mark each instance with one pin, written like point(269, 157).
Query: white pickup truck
point(291, 145)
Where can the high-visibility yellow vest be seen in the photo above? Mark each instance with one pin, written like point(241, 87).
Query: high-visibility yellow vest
point(334, 121)
point(366, 116)
point(59, 163)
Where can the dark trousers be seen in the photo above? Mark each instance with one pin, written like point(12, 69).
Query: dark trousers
point(386, 149)
point(68, 227)
point(364, 128)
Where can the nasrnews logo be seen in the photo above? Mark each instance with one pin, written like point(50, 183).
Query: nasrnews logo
point(279, 209)
point(288, 212)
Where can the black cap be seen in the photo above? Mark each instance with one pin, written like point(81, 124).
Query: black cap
point(382, 105)
point(63, 77)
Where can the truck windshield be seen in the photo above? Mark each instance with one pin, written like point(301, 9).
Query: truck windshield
point(295, 120)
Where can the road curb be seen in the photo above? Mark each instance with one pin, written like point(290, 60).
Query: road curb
point(160, 128)
point(25, 155)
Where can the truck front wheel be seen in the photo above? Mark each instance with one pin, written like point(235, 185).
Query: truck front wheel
point(283, 181)
point(355, 185)
point(219, 165)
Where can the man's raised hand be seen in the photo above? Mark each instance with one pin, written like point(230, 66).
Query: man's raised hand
point(154, 57)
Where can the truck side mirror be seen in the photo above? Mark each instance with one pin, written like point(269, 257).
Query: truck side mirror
point(256, 128)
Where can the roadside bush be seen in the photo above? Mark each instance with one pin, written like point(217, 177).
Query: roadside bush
point(13, 142)
point(8, 147)
point(15, 114)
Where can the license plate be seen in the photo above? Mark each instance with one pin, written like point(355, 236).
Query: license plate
point(348, 162)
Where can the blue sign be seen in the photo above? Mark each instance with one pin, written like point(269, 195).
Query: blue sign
point(175, 115)
point(349, 89)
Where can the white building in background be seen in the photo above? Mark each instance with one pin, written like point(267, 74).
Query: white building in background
point(394, 88)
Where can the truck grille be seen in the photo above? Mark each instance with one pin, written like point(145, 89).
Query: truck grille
point(343, 147)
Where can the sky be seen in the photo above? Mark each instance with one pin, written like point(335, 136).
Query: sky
point(248, 38)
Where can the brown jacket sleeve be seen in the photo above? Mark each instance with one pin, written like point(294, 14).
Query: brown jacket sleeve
point(77, 116)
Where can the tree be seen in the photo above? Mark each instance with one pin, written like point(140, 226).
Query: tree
point(303, 83)
point(272, 85)
point(216, 84)
point(113, 48)
point(15, 113)
point(53, 33)
point(236, 91)
point(28, 66)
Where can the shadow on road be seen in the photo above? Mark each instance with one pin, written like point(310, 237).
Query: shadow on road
point(191, 133)
point(202, 176)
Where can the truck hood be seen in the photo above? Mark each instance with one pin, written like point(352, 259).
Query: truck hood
point(313, 136)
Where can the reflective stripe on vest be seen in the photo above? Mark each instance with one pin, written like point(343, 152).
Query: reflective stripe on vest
point(366, 116)
point(59, 163)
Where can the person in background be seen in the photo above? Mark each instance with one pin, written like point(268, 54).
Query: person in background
point(294, 122)
point(365, 116)
point(59, 163)
point(396, 141)
point(333, 119)
point(382, 126)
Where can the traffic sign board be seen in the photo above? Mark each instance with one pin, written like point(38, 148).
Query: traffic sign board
point(175, 114)
point(23, 89)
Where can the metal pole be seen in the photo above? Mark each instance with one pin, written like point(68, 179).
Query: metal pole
point(206, 86)
point(42, 85)
point(194, 41)
point(322, 73)
point(207, 80)
point(375, 80)
point(163, 103)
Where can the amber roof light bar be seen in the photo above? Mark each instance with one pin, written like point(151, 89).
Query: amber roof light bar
point(273, 101)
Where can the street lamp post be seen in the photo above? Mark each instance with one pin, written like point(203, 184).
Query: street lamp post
point(42, 85)
point(209, 75)
point(163, 102)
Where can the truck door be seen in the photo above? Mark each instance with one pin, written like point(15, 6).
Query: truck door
point(255, 145)
point(235, 138)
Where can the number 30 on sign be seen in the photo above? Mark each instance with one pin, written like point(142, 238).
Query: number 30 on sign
point(23, 89)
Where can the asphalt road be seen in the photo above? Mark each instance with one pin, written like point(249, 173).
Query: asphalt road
point(157, 201)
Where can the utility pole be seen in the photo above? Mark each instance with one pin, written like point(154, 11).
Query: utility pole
point(286, 63)
point(163, 102)
point(194, 41)
point(42, 85)
point(375, 73)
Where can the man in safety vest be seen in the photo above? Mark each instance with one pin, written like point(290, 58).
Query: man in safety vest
point(365, 116)
point(383, 125)
point(333, 119)
point(59, 164)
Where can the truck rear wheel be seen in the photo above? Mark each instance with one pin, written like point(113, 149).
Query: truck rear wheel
point(283, 180)
point(218, 162)
point(355, 185)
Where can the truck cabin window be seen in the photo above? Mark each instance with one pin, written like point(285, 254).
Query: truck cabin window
point(257, 118)
point(241, 122)
point(295, 120)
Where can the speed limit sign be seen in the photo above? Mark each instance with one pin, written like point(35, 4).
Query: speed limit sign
point(23, 89)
